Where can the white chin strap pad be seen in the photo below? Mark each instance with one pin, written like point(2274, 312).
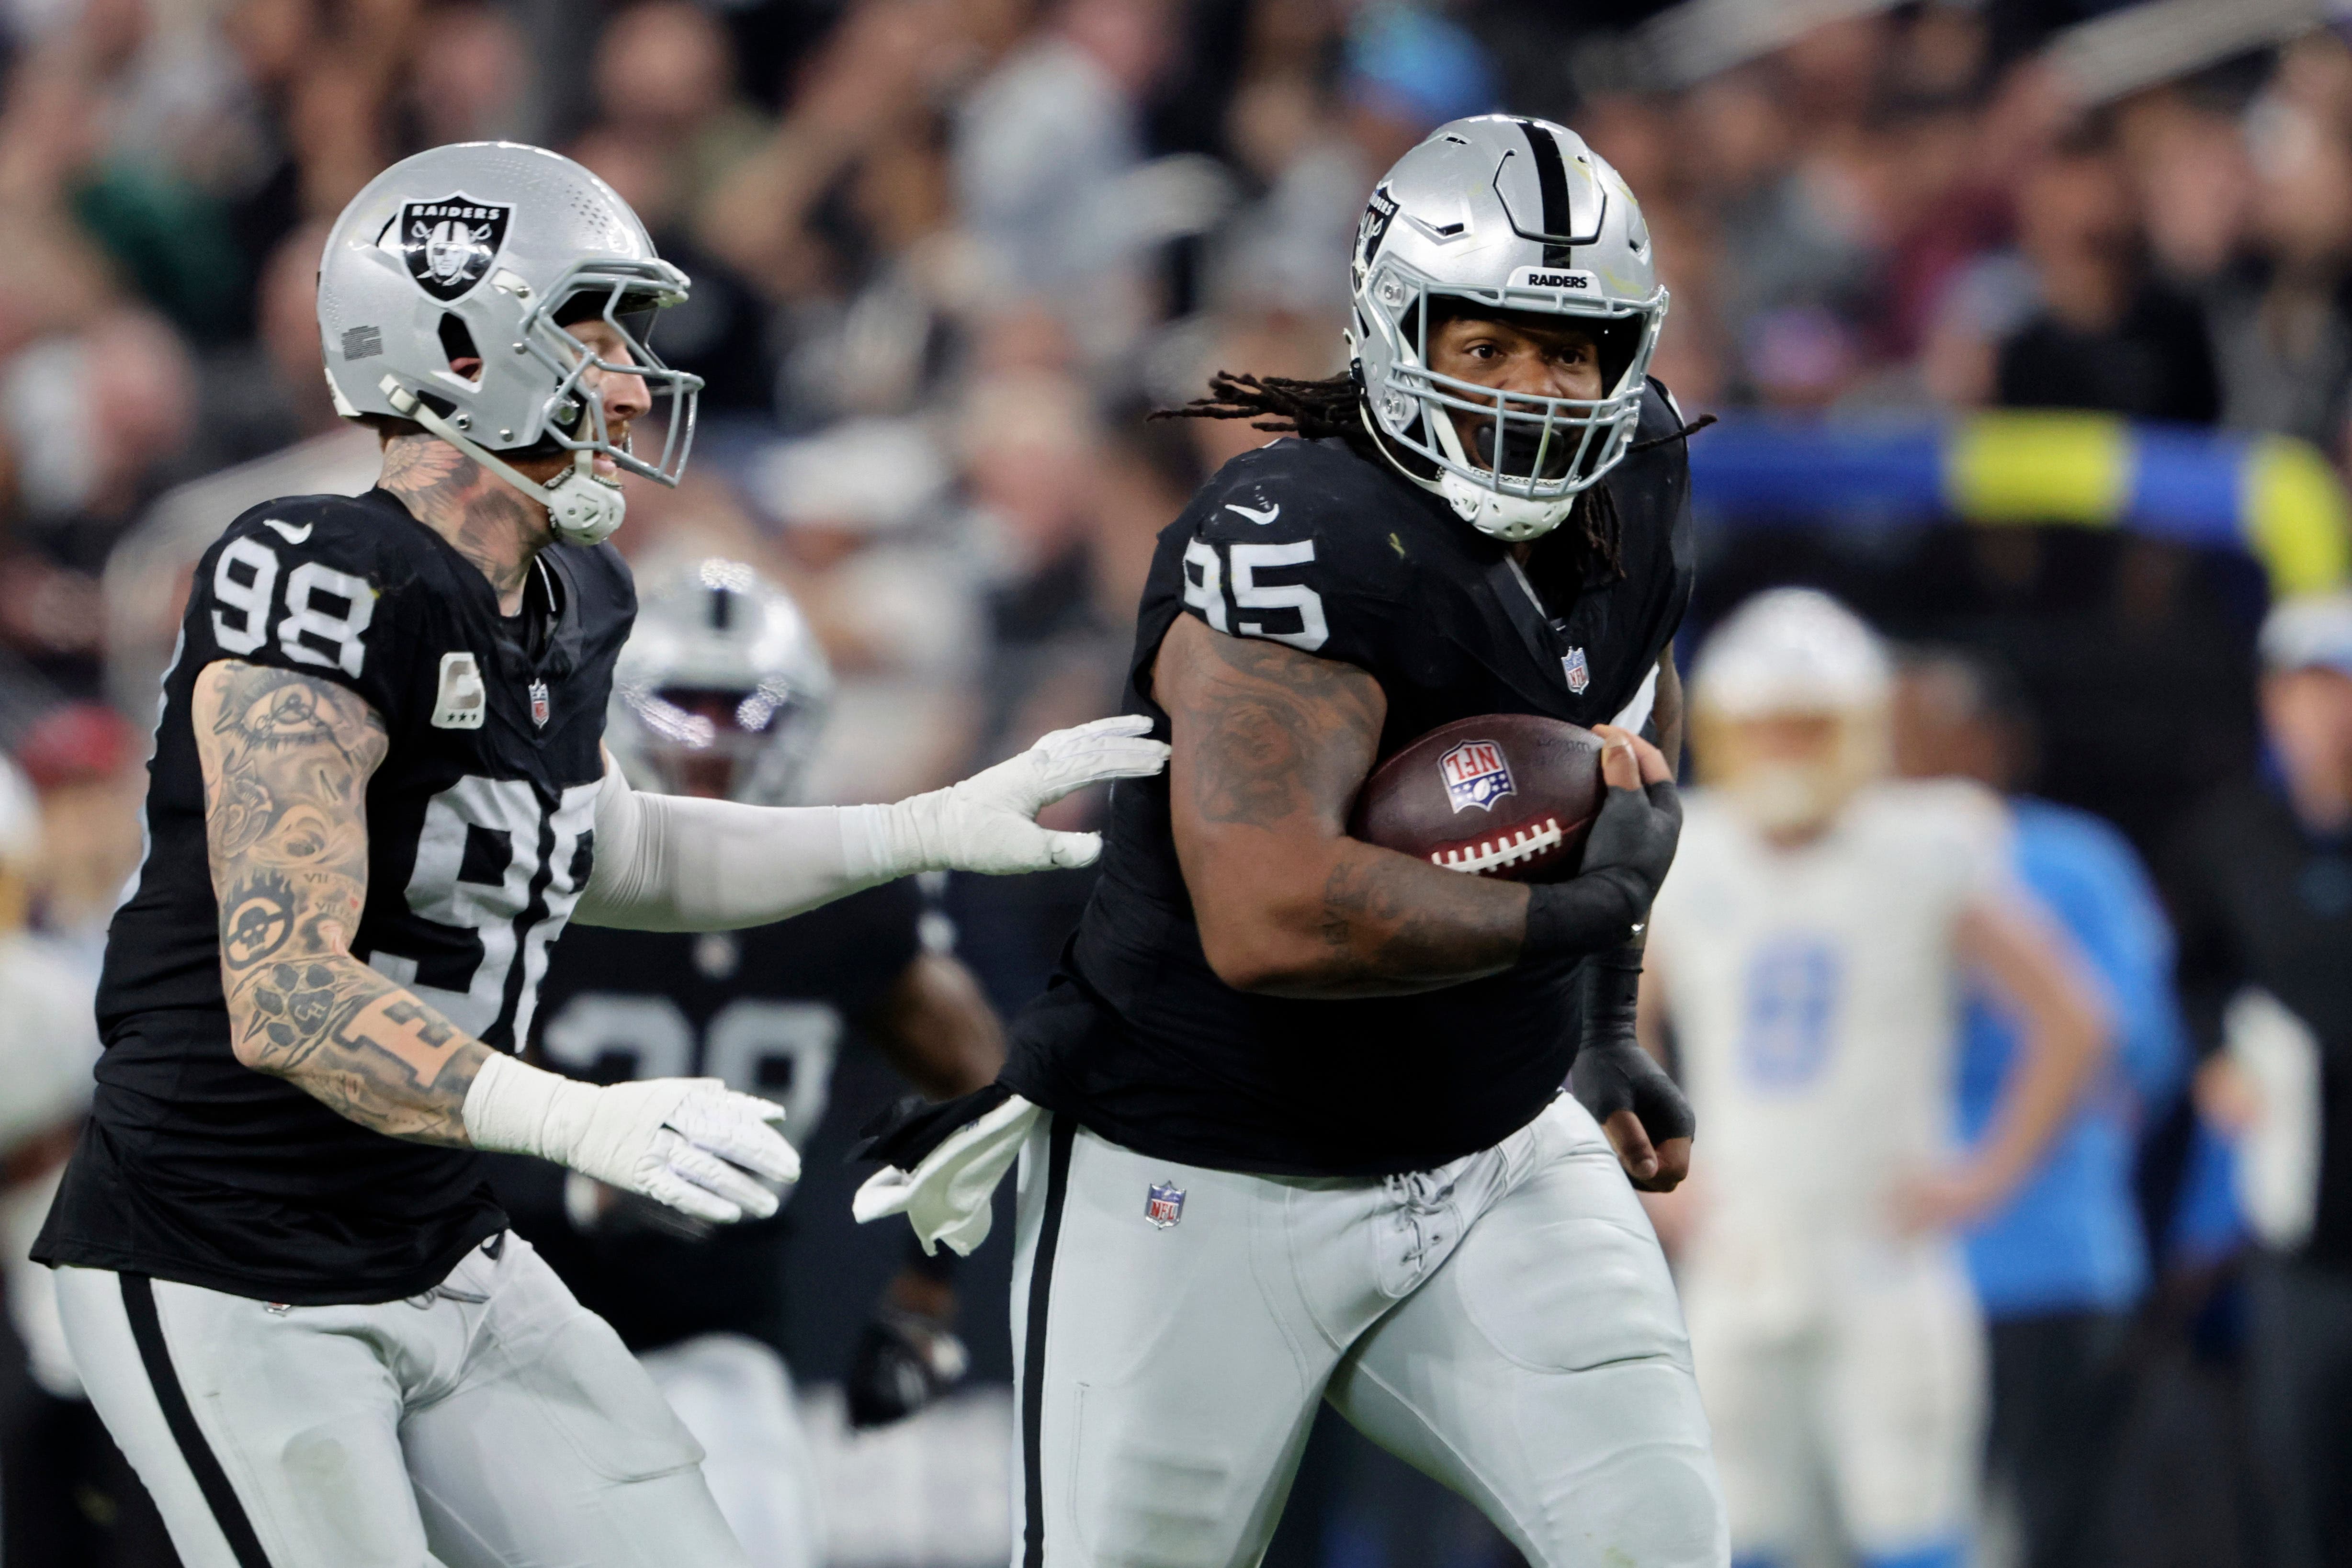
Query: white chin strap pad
point(581, 508)
point(1507, 518)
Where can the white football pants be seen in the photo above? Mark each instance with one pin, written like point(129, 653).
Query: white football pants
point(1504, 1322)
point(492, 1422)
point(735, 1396)
point(1879, 1385)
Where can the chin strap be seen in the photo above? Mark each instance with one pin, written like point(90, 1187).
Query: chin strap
point(1511, 518)
point(581, 508)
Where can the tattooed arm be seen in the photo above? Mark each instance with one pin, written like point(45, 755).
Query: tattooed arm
point(287, 761)
point(1271, 745)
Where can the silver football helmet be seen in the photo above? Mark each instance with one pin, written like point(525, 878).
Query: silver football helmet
point(722, 689)
point(490, 250)
point(1501, 214)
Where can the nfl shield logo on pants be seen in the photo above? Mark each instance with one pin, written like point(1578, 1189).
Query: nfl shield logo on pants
point(1164, 1204)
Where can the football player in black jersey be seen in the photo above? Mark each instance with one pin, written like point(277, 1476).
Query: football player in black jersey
point(378, 793)
point(721, 693)
point(1291, 1113)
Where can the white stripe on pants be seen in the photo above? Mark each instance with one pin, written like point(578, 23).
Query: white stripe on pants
point(1505, 1322)
point(492, 1421)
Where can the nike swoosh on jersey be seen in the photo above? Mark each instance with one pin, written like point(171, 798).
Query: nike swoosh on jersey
point(1254, 515)
point(288, 531)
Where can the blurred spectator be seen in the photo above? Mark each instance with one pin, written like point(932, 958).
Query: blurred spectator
point(84, 762)
point(2192, 183)
point(471, 79)
point(894, 597)
point(1040, 148)
point(1315, 147)
point(94, 422)
point(671, 127)
point(65, 1493)
point(93, 419)
point(1410, 69)
point(1032, 451)
point(2283, 317)
point(2262, 890)
point(666, 82)
point(844, 221)
point(2060, 1268)
point(266, 395)
point(2104, 333)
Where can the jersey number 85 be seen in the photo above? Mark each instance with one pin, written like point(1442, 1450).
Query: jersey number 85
point(1205, 576)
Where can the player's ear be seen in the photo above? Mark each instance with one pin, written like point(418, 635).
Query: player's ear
point(464, 359)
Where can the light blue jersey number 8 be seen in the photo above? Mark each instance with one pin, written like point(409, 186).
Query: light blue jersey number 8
point(1793, 998)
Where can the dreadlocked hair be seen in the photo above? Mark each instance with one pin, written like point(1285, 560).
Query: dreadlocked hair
point(1312, 410)
point(1332, 407)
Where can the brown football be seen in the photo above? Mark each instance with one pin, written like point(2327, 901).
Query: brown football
point(1508, 795)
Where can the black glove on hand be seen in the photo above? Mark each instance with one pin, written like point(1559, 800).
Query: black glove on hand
point(903, 1361)
point(1613, 1075)
point(1625, 859)
point(1611, 1072)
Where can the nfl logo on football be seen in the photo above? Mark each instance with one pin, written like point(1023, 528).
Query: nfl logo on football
point(1474, 774)
point(1163, 1205)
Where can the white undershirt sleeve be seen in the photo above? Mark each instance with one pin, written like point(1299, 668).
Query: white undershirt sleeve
point(677, 863)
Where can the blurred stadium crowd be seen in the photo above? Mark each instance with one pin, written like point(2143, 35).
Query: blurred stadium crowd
point(947, 253)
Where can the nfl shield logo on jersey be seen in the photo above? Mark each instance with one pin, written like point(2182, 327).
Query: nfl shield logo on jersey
point(1164, 1204)
point(1579, 674)
point(1476, 775)
point(539, 704)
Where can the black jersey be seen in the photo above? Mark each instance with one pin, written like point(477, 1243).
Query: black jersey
point(194, 1168)
point(769, 1010)
point(1311, 545)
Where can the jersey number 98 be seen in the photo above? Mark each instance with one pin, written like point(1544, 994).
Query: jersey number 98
point(325, 609)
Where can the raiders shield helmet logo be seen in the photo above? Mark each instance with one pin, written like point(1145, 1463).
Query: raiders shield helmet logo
point(1370, 229)
point(450, 243)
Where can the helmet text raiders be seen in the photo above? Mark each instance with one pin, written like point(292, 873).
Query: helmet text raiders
point(1516, 215)
point(492, 251)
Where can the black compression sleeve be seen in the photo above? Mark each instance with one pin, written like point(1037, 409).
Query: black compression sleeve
point(1585, 915)
point(1606, 987)
point(1611, 1072)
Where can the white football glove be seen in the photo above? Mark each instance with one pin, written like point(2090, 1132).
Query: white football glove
point(988, 822)
point(690, 1142)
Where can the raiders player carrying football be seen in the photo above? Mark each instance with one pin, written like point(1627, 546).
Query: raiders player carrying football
point(1289, 1114)
point(378, 793)
point(721, 693)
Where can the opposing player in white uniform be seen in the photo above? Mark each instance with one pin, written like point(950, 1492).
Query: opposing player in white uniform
point(1810, 952)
